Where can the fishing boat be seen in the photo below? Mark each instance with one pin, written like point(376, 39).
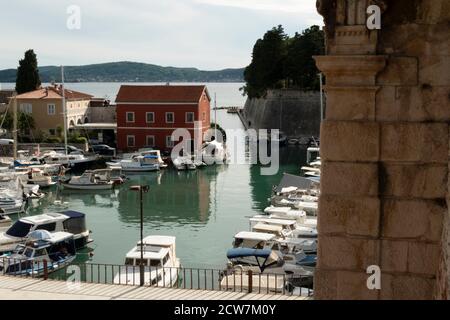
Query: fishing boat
point(67, 221)
point(137, 164)
point(89, 180)
point(184, 163)
point(36, 176)
point(43, 252)
point(270, 272)
point(161, 265)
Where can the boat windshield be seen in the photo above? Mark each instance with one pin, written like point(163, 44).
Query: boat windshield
point(28, 252)
point(19, 229)
point(155, 263)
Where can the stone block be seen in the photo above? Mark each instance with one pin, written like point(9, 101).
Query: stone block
point(349, 141)
point(414, 180)
point(345, 253)
point(415, 142)
point(399, 71)
point(406, 287)
point(413, 219)
point(353, 286)
point(423, 258)
point(349, 215)
point(431, 69)
point(347, 178)
point(325, 284)
point(414, 104)
point(351, 103)
point(394, 256)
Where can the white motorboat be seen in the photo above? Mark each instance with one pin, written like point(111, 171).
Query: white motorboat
point(71, 160)
point(68, 221)
point(161, 265)
point(44, 252)
point(137, 164)
point(36, 176)
point(89, 180)
point(214, 153)
point(184, 163)
point(286, 213)
point(289, 228)
point(11, 195)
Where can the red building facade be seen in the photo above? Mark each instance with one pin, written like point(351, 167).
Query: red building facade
point(148, 115)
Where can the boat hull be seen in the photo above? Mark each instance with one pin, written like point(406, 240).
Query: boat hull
point(105, 186)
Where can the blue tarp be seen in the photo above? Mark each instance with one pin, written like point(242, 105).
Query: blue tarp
point(246, 252)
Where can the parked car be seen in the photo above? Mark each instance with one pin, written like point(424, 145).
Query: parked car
point(103, 150)
point(6, 141)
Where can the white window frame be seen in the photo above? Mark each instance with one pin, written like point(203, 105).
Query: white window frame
point(148, 144)
point(146, 117)
point(134, 140)
point(169, 142)
point(193, 117)
point(173, 117)
point(48, 109)
point(26, 108)
point(126, 116)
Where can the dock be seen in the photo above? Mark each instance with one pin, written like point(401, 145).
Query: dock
point(15, 288)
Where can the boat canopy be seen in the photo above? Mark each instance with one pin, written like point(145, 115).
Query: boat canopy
point(246, 252)
point(73, 214)
point(163, 241)
point(247, 235)
point(268, 227)
point(272, 221)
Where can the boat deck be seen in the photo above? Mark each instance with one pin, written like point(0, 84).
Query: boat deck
point(14, 288)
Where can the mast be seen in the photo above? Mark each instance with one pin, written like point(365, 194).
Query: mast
point(15, 127)
point(321, 96)
point(215, 116)
point(64, 109)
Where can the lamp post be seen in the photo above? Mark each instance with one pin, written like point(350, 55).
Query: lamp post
point(141, 190)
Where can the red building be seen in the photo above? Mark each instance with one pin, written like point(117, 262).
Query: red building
point(147, 115)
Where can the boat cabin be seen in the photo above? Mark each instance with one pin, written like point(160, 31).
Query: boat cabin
point(267, 228)
point(159, 251)
point(254, 240)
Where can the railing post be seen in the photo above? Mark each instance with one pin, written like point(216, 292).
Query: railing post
point(250, 281)
point(45, 269)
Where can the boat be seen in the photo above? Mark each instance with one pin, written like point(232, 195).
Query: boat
point(89, 180)
point(213, 152)
point(74, 161)
point(144, 152)
point(161, 265)
point(270, 272)
point(183, 163)
point(137, 164)
point(289, 228)
point(12, 200)
point(36, 176)
point(68, 221)
point(43, 252)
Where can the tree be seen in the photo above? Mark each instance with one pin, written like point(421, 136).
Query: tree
point(7, 120)
point(25, 123)
point(28, 73)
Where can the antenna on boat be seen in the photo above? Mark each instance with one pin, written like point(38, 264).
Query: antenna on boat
point(15, 127)
point(64, 109)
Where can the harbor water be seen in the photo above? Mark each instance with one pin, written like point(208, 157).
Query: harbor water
point(202, 208)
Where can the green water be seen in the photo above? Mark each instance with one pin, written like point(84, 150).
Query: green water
point(202, 208)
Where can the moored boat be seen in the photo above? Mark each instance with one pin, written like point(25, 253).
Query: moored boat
point(89, 180)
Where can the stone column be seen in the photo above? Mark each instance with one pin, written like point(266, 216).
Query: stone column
point(385, 151)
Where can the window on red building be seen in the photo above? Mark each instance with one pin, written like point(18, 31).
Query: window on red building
point(130, 141)
point(169, 142)
point(130, 116)
point(150, 117)
point(170, 117)
point(150, 141)
point(189, 117)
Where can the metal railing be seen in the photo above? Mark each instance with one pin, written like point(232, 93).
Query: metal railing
point(235, 280)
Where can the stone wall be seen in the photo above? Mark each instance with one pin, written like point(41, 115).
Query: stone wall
point(102, 114)
point(385, 151)
point(297, 111)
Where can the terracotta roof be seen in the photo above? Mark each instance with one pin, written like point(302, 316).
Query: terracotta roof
point(54, 92)
point(161, 93)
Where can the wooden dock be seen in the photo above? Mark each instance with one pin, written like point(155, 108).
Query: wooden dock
point(37, 289)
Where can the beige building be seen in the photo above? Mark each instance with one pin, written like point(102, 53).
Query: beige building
point(45, 105)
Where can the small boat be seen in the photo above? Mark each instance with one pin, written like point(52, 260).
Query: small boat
point(213, 152)
point(270, 272)
point(289, 228)
point(184, 163)
point(161, 265)
point(145, 152)
point(69, 221)
point(36, 176)
point(137, 164)
point(43, 252)
point(88, 181)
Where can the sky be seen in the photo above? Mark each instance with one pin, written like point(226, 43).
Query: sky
point(205, 34)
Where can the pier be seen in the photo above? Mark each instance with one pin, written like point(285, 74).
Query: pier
point(14, 288)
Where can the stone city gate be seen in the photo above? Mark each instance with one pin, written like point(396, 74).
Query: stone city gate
point(385, 150)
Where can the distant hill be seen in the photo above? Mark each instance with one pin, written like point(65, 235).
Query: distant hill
point(129, 72)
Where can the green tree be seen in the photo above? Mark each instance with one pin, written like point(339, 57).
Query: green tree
point(267, 67)
point(28, 73)
point(25, 123)
point(7, 120)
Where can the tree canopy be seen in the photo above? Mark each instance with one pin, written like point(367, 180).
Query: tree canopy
point(280, 61)
point(27, 73)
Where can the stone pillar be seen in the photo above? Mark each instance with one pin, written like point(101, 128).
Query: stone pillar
point(385, 151)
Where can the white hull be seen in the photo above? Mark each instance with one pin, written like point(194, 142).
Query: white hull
point(88, 186)
point(130, 275)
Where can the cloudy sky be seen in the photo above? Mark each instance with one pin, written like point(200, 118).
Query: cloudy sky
point(207, 34)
